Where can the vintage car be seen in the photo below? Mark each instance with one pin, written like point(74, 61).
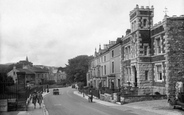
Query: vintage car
point(177, 101)
point(73, 85)
point(55, 91)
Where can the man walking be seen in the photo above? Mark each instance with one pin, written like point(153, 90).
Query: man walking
point(91, 94)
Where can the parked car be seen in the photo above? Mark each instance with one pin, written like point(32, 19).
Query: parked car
point(73, 86)
point(55, 91)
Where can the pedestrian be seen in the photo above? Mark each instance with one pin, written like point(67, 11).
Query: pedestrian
point(34, 98)
point(40, 98)
point(91, 94)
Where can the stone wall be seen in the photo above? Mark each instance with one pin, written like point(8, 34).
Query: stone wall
point(143, 84)
point(159, 89)
point(174, 40)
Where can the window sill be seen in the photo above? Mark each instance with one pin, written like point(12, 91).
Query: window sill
point(159, 81)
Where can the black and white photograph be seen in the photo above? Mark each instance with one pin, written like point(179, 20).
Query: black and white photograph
point(91, 57)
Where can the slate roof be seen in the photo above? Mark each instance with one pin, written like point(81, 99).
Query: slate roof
point(38, 70)
point(26, 71)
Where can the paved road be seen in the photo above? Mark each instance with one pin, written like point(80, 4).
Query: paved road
point(67, 103)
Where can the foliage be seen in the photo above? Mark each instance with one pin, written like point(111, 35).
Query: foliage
point(5, 79)
point(50, 82)
point(77, 68)
point(6, 68)
point(62, 82)
point(80, 85)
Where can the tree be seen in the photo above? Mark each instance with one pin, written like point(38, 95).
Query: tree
point(77, 68)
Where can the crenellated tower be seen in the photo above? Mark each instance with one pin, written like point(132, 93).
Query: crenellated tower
point(141, 18)
point(141, 21)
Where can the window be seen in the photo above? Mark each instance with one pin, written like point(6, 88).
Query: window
point(159, 72)
point(118, 83)
point(135, 25)
point(158, 45)
point(145, 50)
point(144, 22)
point(146, 75)
point(126, 53)
point(112, 67)
point(105, 69)
point(129, 54)
point(128, 73)
point(104, 58)
point(102, 70)
point(112, 53)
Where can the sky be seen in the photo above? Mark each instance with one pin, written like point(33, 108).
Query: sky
point(50, 32)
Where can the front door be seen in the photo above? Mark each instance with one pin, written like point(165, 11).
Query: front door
point(135, 75)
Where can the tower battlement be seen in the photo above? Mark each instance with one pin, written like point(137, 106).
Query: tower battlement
point(142, 8)
point(141, 11)
point(167, 17)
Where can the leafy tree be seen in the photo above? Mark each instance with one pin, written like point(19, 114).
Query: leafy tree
point(77, 68)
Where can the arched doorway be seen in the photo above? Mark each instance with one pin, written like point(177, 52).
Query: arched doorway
point(135, 75)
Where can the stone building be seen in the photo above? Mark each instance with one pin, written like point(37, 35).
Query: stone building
point(147, 52)
point(105, 67)
point(33, 74)
point(61, 74)
point(151, 56)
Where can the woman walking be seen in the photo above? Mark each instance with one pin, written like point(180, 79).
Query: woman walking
point(40, 98)
point(34, 98)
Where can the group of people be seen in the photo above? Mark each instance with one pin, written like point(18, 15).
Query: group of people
point(37, 97)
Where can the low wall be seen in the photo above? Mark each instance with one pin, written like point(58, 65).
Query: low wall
point(129, 99)
point(106, 97)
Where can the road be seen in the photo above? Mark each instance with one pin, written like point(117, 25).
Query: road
point(67, 103)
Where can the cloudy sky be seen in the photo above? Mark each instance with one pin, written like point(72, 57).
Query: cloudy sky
point(50, 32)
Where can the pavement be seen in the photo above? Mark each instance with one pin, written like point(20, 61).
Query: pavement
point(31, 110)
point(155, 106)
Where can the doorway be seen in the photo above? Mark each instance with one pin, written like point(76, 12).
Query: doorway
point(135, 75)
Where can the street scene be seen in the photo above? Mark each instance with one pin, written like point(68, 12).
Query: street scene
point(91, 57)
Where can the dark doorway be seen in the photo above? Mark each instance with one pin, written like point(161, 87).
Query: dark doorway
point(135, 76)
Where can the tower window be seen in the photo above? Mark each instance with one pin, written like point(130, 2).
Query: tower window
point(144, 22)
point(145, 50)
point(134, 25)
